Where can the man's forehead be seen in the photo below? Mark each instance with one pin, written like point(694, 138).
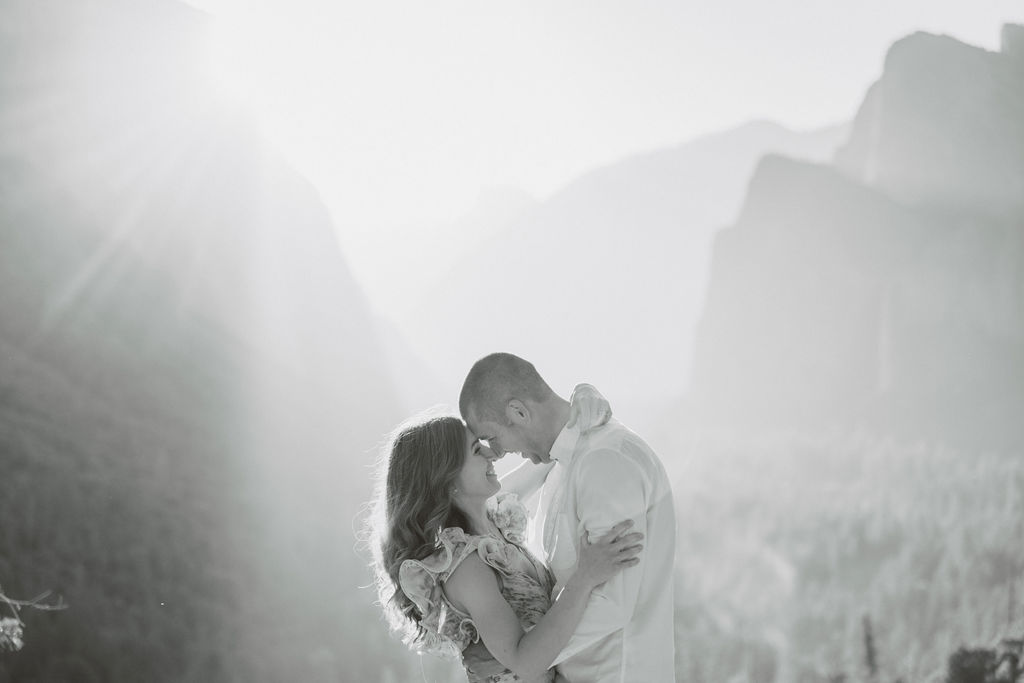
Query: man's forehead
point(480, 429)
point(473, 421)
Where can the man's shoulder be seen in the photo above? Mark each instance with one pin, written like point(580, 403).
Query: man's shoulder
point(612, 435)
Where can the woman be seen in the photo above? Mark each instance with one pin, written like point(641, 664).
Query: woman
point(453, 572)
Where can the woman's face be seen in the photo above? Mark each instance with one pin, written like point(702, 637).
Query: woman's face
point(477, 478)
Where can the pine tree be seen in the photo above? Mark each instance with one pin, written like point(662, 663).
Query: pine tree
point(870, 656)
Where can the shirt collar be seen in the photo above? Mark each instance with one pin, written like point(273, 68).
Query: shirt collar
point(564, 446)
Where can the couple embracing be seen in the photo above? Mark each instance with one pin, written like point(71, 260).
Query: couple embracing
point(583, 594)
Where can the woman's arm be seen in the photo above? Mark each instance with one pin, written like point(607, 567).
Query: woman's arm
point(473, 587)
point(587, 409)
point(526, 479)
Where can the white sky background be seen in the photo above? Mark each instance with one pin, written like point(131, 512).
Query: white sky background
point(401, 113)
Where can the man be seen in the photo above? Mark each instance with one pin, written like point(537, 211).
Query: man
point(600, 476)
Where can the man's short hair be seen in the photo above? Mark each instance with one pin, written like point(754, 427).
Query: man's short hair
point(496, 379)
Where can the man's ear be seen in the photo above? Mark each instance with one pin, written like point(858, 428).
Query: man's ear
point(516, 411)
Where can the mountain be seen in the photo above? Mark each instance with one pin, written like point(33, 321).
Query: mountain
point(943, 126)
point(603, 280)
point(885, 289)
point(189, 375)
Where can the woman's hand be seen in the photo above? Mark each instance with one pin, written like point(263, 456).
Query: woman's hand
point(587, 408)
point(602, 559)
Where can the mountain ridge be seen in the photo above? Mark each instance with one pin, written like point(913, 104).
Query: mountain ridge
point(653, 213)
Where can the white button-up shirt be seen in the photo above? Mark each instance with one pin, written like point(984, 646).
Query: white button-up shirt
point(602, 476)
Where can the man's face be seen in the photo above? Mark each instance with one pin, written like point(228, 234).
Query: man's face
point(510, 438)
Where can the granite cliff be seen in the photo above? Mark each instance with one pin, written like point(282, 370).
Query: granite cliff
point(885, 289)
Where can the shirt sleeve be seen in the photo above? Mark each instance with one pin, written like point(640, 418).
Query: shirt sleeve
point(611, 487)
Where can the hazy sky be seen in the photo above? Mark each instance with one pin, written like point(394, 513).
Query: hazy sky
point(402, 112)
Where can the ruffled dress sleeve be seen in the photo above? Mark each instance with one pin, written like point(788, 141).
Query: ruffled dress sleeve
point(449, 631)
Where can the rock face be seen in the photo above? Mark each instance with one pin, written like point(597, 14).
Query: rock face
point(943, 126)
point(886, 289)
point(188, 375)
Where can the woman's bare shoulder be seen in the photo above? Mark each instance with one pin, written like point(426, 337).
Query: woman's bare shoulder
point(473, 582)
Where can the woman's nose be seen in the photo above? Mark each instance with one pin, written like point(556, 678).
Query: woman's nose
point(494, 455)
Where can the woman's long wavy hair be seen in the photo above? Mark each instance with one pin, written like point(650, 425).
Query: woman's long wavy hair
point(413, 503)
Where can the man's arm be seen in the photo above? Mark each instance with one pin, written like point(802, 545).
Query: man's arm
point(611, 487)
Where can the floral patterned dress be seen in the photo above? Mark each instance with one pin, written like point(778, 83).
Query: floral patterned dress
point(529, 594)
